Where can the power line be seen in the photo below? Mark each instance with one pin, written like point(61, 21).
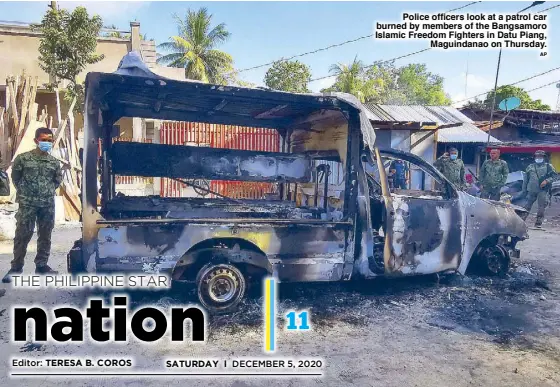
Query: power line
point(306, 53)
point(376, 63)
point(511, 84)
point(549, 8)
point(335, 45)
point(540, 87)
point(464, 6)
point(426, 49)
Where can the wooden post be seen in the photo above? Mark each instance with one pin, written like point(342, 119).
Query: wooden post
point(58, 115)
point(24, 104)
point(13, 106)
point(32, 114)
point(58, 134)
point(73, 152)
point(3, 142)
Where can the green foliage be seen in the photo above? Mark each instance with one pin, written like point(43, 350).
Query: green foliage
point(350, 79)
point(193, 48)
point(291, 76)
point(384, 83)
point(68, 44)
point(422, 87)
point(512, 91)
point(115, 33)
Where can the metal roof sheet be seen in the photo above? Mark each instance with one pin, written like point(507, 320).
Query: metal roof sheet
point(464, 133)
point(442, 115)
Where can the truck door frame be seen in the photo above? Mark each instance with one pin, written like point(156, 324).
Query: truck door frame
point(442, 249)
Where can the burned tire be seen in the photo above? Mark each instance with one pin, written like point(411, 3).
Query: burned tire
point(220, 287)
point(494, 260)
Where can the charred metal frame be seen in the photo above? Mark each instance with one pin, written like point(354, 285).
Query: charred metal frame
point(297, 249)
point(323, 243)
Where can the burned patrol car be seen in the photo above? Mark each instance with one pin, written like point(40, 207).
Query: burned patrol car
point(311, 228)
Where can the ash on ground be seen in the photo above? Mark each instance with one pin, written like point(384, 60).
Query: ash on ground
point(503, 310)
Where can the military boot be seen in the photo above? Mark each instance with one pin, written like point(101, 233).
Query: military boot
point(8, 277)
point(45, 270)
point(539, 222)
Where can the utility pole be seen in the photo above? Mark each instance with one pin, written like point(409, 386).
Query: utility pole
point(467, 77)
point(53, 5)
point(558, 98)
point(535, 3)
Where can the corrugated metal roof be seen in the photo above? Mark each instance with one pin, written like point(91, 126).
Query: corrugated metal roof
point(442, 115)
point(464, 133)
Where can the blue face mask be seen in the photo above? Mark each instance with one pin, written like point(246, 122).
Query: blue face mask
point(45, 146)
point(539, 160)
point(453, 157)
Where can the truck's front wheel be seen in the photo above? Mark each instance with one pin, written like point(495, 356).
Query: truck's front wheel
point(220, 287)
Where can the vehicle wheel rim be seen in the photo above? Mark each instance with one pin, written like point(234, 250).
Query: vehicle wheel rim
point(221, 285)
point(494, 260)
point(202, 184)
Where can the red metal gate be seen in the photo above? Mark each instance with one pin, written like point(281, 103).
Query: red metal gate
point(220, 136)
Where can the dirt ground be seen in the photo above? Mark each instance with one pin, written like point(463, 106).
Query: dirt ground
point(424, 331)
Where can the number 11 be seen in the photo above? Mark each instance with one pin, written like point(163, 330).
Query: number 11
point(292, 321)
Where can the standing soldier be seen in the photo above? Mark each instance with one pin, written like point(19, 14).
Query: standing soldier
point(493, 176)
point(537, 184)
point(452, 168)
point(36, 175)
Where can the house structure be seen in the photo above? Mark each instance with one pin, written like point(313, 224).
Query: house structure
point(20, 43)
point(428, 132)
point(522, 132)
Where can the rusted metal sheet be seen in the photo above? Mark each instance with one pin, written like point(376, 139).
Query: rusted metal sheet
point(195, 162)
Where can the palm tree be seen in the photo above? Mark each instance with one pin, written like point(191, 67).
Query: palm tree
point(194, 48)
point(350, 78)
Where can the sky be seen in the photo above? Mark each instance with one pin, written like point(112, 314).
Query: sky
point(265, 31)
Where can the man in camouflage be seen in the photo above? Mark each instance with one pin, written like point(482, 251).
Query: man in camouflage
point(36, 175)
point(493, 176)
point(536, 185)
point(452, 168)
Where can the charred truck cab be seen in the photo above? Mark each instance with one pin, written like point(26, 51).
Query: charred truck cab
point(363, 229)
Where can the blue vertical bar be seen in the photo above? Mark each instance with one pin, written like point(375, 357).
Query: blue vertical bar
point(272, 315)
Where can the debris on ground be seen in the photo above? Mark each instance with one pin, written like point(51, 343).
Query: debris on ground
point(32, 347)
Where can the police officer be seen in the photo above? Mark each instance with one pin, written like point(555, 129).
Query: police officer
point(398, 171)
point(493, 176)
point(36, 175)
point(452, 168)
point(536, 185)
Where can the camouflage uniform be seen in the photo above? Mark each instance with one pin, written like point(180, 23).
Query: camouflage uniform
point(533, 191)
point(493, 176)
point(453, 170)
point(36, 176)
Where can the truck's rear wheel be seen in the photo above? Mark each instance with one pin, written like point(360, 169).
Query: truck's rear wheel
point(220, 287)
